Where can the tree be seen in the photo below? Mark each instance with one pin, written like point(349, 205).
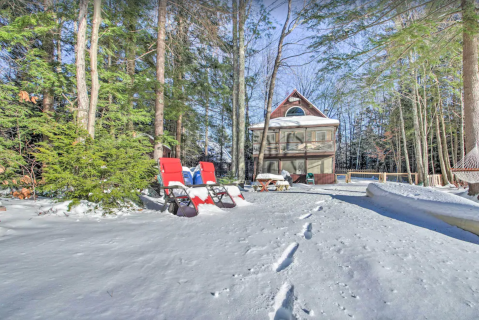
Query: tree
point(284, 33)
point(470, 74)
point(241, 89)
point(160, 78)
point(48, 45)
point(82, 91)
point(95, 84)
point(234, 118)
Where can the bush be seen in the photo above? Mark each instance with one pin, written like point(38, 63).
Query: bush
point(108, 170)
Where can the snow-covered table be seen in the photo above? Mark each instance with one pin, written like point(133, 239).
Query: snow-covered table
point(266, 178)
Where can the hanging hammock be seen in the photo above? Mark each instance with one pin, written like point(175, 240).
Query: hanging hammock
point(468, 168)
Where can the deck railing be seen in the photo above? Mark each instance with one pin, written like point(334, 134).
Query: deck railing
point(296, 147)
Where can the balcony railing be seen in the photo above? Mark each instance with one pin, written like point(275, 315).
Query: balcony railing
point(296, 147)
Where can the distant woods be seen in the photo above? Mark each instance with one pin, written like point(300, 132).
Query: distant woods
point(407, 82)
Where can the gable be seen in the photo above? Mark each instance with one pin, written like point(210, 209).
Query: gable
point(296, 99)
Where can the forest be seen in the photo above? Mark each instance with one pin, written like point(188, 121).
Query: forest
point(93, 92)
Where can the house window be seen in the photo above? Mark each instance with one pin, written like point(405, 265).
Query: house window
point(295, 112)
point(271, 166)
point(258, 135)
point(321, 135)
point(293, 166)
point(271, 138)
point(318, 166)
point(292, 140)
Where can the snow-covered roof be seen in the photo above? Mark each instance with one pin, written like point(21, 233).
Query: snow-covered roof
point(214, 151)
point(285, 122)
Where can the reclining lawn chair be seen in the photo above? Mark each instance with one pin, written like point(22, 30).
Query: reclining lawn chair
point(181, 200)
point(219, 191)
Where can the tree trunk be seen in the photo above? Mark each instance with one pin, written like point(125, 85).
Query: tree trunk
point(422, 140)
point(207, 102)
point(131, 67)
point(234, 129)
point(59, 47)
point(447, 161)
point(179, 124)
point(48, 46)
point(445, 179)
point(417, 134)
point(241, 91)
point(82, 91)
point(95, 84)
point(461, 136)
point(272, 82)
point(470, 76)
point(160, 78)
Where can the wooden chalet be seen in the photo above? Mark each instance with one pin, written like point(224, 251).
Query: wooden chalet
point(301, 139)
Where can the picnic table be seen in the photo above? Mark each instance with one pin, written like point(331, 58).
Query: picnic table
point(266, 178)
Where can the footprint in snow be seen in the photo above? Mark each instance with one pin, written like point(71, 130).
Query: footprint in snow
point(283, 303)
point(308, 231)
point(305, 216)
point(286, 258)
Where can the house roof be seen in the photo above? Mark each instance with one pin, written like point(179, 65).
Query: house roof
point(301, 97)
point(301, 121)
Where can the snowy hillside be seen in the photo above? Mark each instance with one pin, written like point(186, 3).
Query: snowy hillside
point(314, 252)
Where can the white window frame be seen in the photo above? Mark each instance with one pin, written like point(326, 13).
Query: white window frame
point(304, 113)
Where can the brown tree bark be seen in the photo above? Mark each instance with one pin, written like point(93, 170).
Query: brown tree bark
point(95, 84)
point(48, 46)
point(470, 76)
point(160, 78)
point(82, 91)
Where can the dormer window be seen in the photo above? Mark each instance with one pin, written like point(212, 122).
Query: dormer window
point(295, 112)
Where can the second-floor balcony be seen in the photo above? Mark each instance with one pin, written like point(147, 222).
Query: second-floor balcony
point(292, 148)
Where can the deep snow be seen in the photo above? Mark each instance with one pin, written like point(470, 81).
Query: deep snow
point(314, 252)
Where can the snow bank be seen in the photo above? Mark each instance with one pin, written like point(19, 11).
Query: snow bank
point(409, 199)
point(84, 208)
point(465, 195)
point(208, 209)
point(284, 122)
point(268, 176)
point(233, 191)
point(241, 203)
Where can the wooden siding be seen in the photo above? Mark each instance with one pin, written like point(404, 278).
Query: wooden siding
point(307, 107)
point(322, 178)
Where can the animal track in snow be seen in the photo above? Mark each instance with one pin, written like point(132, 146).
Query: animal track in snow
point(305, 216)
point(286, 258)
point(283, 303)
point(320, 208)
point(308, 231)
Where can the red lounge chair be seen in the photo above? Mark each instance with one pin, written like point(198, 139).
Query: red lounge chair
point(218, 191)
point(183, 201)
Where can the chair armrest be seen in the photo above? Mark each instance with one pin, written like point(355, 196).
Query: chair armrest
point(172, 187)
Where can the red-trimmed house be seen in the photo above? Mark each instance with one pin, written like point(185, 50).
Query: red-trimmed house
point(301, 139)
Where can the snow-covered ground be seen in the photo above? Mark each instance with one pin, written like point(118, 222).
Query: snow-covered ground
point(314, 252)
